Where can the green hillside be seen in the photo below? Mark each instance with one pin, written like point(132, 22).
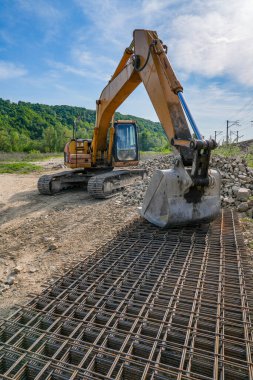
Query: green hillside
point(26, 127)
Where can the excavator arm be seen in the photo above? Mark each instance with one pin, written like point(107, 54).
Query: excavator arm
point(190, 191)
point(145, 61)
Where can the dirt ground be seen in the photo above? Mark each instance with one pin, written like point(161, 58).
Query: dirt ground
point(42, 236)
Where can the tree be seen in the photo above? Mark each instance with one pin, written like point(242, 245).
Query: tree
point(27, 126)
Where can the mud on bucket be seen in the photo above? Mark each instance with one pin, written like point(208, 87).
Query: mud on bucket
point(172, 199)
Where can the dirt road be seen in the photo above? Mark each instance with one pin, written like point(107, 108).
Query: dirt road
point(41, 236)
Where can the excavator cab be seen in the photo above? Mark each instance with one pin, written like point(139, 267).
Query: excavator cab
point(125, 147)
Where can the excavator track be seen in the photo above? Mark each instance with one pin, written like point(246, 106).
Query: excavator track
point(44, 185)
point(54, 183)
point(151, 304)
point(100, 186)
point(106, 185)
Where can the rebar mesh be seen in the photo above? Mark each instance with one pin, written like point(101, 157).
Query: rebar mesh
point(151, 304)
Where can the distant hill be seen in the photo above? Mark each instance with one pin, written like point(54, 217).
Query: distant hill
point(25, 127)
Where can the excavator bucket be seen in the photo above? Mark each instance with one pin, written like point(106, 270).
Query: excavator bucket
point(172, 199)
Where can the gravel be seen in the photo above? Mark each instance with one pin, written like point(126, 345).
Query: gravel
point(236, 183)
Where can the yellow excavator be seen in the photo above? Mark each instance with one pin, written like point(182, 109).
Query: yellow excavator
point(190, 191)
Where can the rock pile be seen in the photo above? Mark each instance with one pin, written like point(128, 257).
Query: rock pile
point(134, 194)
point(236, 186)
point(236, 183)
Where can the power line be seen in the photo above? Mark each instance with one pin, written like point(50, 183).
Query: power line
point(247, 127)
point(247, 104)
point(247, 116)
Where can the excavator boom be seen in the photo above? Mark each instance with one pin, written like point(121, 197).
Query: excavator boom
point(148, 64)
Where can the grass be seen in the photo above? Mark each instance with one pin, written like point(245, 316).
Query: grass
point(249, 159)
point(234, 151)
point(247, 219)
point(152, 154)
point(19, 168)
point(27, 157)
point(224, 151)
point(228, 151)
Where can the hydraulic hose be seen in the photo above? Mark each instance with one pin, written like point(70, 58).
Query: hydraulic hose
point(136, 60)
point(189, 116)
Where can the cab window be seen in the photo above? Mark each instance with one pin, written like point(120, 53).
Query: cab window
point(126, 144)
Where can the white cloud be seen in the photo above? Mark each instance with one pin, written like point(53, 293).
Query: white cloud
point(214, 41)
point(109, 19)
point(86, 64)
point(207, 38)
point(207, 42)
point(9, 70)
point(84, 57)
point(81, 71)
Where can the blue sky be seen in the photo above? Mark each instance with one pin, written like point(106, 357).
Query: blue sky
point(64, 51)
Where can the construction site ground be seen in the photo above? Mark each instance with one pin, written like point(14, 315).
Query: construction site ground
point(42, 236)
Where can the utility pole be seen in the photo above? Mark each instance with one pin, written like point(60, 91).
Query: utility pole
point(236, 122)
point(216, 134)
point(237, 135)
